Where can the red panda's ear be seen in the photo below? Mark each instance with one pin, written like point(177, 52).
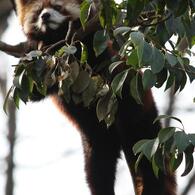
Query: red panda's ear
point(20, 2)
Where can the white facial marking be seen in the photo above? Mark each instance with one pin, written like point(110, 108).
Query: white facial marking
point(54, 20)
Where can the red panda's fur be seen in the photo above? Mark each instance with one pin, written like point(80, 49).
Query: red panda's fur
point(102, 146)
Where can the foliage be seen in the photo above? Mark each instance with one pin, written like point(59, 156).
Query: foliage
point(153, 36)
point(171, 142)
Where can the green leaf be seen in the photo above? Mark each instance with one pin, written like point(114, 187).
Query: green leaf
point(30, 84)
point(132, 59)
point(81, 82)
point(111, 116)
point(66, 84)
point(137, 38)
point(182, 7)
point(121, 30)
point(102, 108)
point(100, 42)
point(144, 49)
point(190, 72)
point(136, 88)
point(181, 140)
point(16, 98)
point(42, 89)
point(165, 134)
point(189, 160)
point(138, 147)
point(70, 49)
point(19, 69)
point(183, 81)
point(18, 80)
point(85, 8)
point(159, 159)
point(155, 167)
point(35, 54)
point(114, 65)
point(84, 54)
point(38, 69)
point(191, 137)
point(138, 161)
point(172, 59)
point(26, 89)
point(74, 70)
point(5, 105)
point(162, 34)
point(134, 8)
point(108, 14)
point(176, 161)
point(180, 60)
point(170, 81)
point(118, 81)
point(161, 78)
point(149, 79)
point(158, 61)
point(89, 94)
point(150, 148)
point(168, 117)
point(144, 52)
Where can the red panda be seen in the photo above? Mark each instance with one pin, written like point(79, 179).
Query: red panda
point(46, 21)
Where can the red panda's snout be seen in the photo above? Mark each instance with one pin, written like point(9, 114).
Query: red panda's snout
point(50, 18)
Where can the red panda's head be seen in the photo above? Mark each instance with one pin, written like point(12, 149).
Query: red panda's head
point(47, 19)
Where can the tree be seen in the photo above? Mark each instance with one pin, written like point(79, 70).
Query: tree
point(151, 36)
point(5, 9)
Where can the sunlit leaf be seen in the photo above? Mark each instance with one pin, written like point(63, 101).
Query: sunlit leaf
point(81, 82)
point(85, 11)
point(165, 134)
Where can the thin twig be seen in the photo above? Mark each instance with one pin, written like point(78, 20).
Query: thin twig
point(156, 23)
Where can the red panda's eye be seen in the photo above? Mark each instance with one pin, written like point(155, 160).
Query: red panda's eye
point(57, 7)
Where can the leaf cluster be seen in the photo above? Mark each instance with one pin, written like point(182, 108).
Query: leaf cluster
point(167, 151)
point(39, 73)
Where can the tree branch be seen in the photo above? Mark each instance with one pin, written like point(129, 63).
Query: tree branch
point(17, 50)
point(189, 185)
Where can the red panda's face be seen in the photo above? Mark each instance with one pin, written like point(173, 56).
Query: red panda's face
point(40, 17)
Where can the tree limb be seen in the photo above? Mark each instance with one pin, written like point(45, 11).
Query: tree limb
point(189, 185)
point(17, 50)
